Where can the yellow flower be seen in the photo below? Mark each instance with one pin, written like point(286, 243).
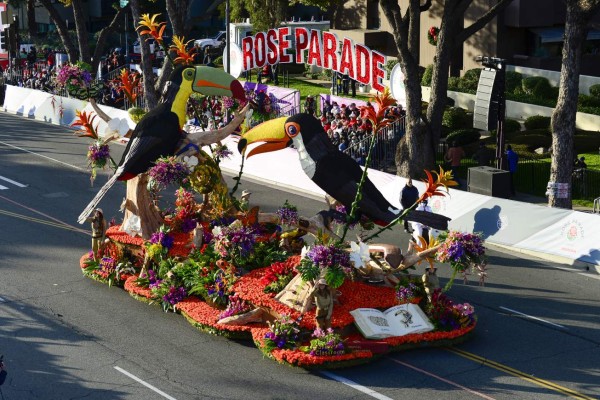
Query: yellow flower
point(179, 46)
point(152, 28)
point(384, 101)
point(86, 121)
point(423, 246)
point(443, 180)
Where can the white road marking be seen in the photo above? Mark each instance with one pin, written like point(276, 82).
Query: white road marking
point(2, 300)
point(579, 272)
point(355, 385)
point(41, 155)
point(149, 386)
point(3, 187)
point(11, 181)
point(532, 317)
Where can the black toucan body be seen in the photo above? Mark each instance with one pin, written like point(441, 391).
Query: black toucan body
point(159, 132)
point(332, 170)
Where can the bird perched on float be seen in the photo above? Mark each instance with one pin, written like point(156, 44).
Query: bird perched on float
point(335, 172)
point(159, 132)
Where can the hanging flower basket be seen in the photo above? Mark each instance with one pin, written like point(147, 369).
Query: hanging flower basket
point(432, 35)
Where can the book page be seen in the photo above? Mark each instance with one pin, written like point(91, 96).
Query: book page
point(372, 323)
point(408, 318)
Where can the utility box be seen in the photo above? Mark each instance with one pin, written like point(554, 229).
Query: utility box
point(489, 181)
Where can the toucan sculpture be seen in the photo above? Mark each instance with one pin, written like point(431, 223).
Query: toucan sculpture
point(332, 170)
point(159, 132)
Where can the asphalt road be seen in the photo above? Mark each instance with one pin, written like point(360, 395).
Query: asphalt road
point(64, 336)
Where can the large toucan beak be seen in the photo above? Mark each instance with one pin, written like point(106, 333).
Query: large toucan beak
point(271, 133)
point(215, 82)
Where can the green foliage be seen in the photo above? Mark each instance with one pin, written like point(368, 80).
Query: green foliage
point(537, 122)
point(427, 75)
point(513, 81)
point(595, 91)
point(454, 83)
point(389, 66)
point(521, 97)
point(587, 141)
point(265, 253)
point(468, 83)
point(543, 89)
point(531, 82)
point(463, 137)
point(511, 126)
point(532, 140)
point(455, 118)
point(588, 101)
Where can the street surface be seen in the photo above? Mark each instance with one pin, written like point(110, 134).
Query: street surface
point(64, 336)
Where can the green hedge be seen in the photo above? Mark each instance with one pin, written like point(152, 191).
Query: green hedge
point(537, 122)
point(588, 101)
point(456, 118)
point(510, 126)
point(463, 137)
point(513, 81)
point(531, 140)
point(595, 90)
point(427, 75)
point(469, 81)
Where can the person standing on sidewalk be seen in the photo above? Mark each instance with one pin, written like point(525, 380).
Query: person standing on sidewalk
point(454, 155)
point(408, 197)
point(513, 159)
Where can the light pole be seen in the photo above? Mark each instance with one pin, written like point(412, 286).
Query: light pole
point(227, 38)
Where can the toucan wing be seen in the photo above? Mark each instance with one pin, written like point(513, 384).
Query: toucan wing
point(432, 220)
point(339, 175)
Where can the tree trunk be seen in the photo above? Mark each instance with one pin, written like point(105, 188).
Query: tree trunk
point(31, 24)
point(150, 94)
point(82, 32)
point(579, 13)
point(139, 202)
point(114, 25)
point(63, 32)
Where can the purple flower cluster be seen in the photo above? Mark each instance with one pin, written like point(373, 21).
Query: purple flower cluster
point(283, 334)
point(162, 238)
point(175, 295)
point(235, 306)
point(235, 241)
point(406, 293)
point(222, 151)
point(167, 171)
point(108, 264)
point(288, 215)
point(465, 309)
point(461, 249)
point(325, 256)
point(188, 225)
point(74, 75)
point(218, 289)
point(98, 154)
point(326, 343)
point(153, 280)
point(228, 102)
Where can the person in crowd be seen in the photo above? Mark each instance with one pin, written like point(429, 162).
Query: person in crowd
point(420, 230)
point(513, 159)
point(483, 155)
point(408, 196)
point(309, 105)
point(580, 163)
point(453, 156)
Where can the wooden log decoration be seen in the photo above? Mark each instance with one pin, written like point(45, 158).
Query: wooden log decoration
point(313, 225)
point(139, 203)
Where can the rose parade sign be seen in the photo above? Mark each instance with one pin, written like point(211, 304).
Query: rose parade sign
point(314, 47)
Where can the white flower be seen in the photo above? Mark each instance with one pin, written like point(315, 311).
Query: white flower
point(359, 255)
point(116, 127)
point(216, 231)
point(191, 161)
point(305, 250)
point(133, 226)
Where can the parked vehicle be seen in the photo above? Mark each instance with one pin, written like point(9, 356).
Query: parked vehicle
point(156, 51)
point(212, 43)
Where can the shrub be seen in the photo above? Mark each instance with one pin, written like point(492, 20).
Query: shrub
point(218, 60)
point(463, 137)
point(532, 140)
point(454, 83)
point(543, 89)
point(389, 66)
point(588, 101)
point(537, 122)
point(455, 118)
point(513, 81)
point(586, 141)
point(468, 83)
point(426, 80)
point(589, 110)
point(510, 126)
point(595, 91)
point(529, 83)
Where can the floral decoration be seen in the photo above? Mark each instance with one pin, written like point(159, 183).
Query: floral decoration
point(325, 343)
point(180, 47)
point(129, 84)
point(235, 306)
point(328, 261)
point(167, 171)
point(277, 276)
point(283, 334)
point(462, 251)
point(288, 214)
point(432, 35)
point(149, 26)
point(234, 242)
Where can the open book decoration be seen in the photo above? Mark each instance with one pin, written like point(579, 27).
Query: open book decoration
point(395, 321)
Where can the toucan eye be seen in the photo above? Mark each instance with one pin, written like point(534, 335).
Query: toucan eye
point(188, 74)
point(292, 129)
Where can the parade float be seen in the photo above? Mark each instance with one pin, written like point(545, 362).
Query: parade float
point(294, 285)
